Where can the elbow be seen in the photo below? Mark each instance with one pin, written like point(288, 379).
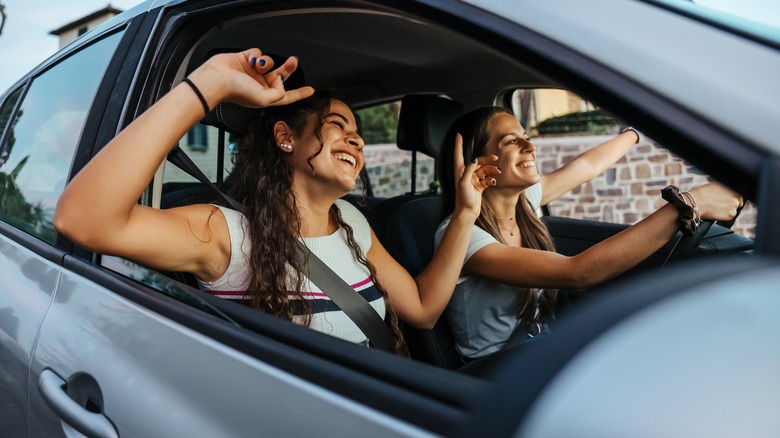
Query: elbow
point(582, 277)
point(425, 322)
point(69, 223)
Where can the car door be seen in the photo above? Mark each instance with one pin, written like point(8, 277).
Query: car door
point(43, 121)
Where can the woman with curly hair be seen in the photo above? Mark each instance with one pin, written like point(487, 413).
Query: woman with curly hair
point(300, 156)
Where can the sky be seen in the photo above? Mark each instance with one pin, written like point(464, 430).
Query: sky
point(25, 41)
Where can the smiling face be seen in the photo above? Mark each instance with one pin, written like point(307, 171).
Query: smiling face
point(516, 155)
point(333, 161)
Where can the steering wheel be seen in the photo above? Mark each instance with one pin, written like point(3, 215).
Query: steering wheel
point(687, 245)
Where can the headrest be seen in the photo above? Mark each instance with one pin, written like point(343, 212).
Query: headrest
point(424, 121)
point(235, 118)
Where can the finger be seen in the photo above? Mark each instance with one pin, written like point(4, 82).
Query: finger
point(485, 159)
point(261, 64)
point(486, 171)
point(291, 96)
point(488, 182)
point(458, 156)
point(276, 78)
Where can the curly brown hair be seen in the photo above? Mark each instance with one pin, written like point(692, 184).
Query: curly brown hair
point(262, 181)
point(473, 127)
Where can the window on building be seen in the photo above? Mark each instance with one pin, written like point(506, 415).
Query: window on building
point(82, 30)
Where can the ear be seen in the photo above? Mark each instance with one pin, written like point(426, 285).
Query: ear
point(283, 136)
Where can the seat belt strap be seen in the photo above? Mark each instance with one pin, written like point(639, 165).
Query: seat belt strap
point(349, 301)
point(346, 298)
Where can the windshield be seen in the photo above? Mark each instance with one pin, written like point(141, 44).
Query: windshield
point(760, 18)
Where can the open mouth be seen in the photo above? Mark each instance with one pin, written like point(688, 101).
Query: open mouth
point(346, 158)
point(527, 164)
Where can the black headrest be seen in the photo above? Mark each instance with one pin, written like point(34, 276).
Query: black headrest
point(235, 118)
point(424, 121)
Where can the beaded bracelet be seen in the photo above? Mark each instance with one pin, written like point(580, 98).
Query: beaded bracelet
point(689, 217)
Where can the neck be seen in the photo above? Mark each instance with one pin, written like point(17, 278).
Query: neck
point(314, 212)
point(503, 203)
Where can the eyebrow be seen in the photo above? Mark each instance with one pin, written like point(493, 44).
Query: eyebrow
point(524, 135)
point(341, 116)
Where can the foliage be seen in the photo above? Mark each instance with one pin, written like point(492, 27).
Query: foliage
point(379, 123)
point(593, 122)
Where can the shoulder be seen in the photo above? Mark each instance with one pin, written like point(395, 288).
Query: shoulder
point(350, 213)
point(359, 224)
point(534, 195)
point(479, 238)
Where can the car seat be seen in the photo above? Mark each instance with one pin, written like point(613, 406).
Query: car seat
point(407, 223)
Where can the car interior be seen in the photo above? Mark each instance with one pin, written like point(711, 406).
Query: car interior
point(372, 55)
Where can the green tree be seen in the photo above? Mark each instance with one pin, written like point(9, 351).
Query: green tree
point(379, 123)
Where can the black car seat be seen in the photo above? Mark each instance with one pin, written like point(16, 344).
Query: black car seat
point(422, 123)
point(408, 222)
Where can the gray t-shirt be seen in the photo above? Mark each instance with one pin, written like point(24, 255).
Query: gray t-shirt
point(483, 313)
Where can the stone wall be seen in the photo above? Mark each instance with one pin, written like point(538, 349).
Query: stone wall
point(625, 193)
point(628, 191)
point(389, 169)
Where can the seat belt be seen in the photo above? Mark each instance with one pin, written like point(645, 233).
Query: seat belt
point(349, 301)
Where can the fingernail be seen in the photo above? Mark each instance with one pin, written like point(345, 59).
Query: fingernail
point(282, 77)
point(473, 159)
point(494, 181)
point(262, 62)
point(253, 61)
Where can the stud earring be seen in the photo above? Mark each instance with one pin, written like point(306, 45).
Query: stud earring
point(286, 146)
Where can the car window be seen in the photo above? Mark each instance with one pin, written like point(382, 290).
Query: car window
point(564, 125)
point(38, 148)
point(201, 143)
point(389, 168)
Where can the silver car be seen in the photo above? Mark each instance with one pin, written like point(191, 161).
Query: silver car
point(96, 345)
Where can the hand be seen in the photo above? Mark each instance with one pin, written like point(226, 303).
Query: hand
point(716, 202)
point(234, 77)
point(471, 180)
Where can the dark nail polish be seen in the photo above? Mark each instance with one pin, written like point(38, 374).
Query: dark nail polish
point(473, 159)
point(262, 62)
point(494, 181)
point(253, 61)
point(282, 77)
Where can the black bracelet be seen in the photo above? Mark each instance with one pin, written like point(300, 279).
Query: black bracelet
point(199, 94)
point(632, 129)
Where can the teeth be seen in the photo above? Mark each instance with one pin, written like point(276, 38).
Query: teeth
point(527, 164)
point(346, 157)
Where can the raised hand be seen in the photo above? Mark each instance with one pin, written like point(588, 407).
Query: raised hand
point(472, 179)
point(247, 78)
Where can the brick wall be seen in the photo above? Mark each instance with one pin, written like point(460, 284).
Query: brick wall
point(625, 193)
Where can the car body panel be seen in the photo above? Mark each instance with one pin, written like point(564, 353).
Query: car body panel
point(28, 283)
point(698, 346)
point(145, 364)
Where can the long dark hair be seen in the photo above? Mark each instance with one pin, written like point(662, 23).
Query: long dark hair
point(262, 180)
point(475, 130)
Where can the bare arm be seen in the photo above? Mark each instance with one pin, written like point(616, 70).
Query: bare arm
point(586, 166)
point(99, 210)
point(534, 268)
point(421, 301)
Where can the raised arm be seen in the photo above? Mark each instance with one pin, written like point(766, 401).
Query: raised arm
point(98, 209)
point(420, 301)
point(586, 166)
point(534, 268)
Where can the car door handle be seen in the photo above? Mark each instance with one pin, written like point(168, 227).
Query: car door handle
point(52, 388)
